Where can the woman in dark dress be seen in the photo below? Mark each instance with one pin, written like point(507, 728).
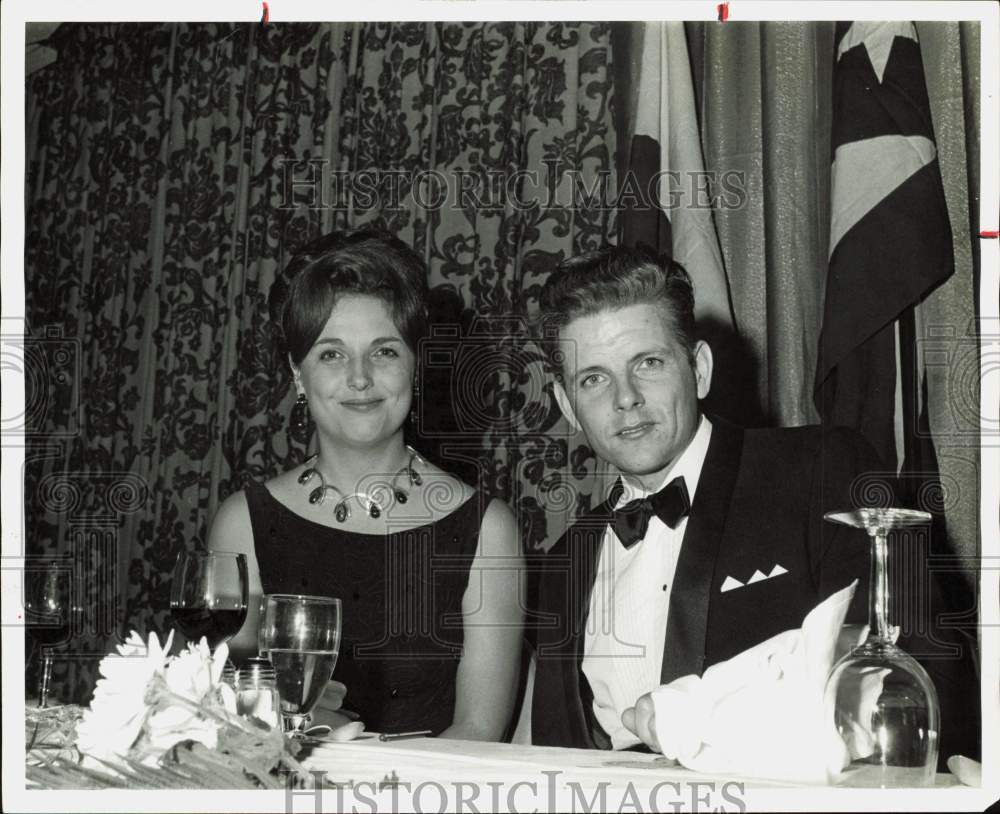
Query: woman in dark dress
point(427, 569)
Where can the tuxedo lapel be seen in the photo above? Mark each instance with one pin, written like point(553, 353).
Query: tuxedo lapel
point(690, 596)
point(585, 539)
point(589, 534)
point(589, 540)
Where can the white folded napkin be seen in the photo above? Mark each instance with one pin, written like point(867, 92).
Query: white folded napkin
point(760, 714)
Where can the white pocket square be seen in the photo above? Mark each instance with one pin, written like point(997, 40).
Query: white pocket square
point(731, 583)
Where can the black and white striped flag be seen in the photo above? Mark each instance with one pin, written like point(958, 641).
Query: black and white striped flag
point(890, 239)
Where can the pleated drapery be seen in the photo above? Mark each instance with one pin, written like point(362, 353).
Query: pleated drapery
point(765, 91)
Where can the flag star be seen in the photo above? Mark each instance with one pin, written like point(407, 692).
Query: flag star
point(877, 40)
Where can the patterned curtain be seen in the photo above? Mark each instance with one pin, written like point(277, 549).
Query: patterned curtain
point(172, 169)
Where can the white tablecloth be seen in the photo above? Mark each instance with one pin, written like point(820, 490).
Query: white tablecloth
point(516, 777)
point(444, 760)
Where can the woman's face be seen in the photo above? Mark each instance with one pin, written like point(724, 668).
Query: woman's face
point(358, 375)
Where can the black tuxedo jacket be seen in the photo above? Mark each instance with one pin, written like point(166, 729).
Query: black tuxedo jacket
point(759, 503)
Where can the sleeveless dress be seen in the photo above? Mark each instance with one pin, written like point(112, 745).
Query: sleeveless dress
point(401, 598)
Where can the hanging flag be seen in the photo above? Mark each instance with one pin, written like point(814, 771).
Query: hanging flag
point(890, 239)
point(665, 171)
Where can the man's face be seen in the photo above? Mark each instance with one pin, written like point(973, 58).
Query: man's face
point(632, 388)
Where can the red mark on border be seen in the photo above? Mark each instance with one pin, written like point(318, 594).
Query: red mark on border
point(723, 12)
point(994, 235)
point(267, 15)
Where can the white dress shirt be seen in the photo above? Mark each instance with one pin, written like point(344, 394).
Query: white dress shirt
point(627, 620)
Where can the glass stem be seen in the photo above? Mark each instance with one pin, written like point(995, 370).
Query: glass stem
point(878, 590)
point(46, 679)
point(294, 723)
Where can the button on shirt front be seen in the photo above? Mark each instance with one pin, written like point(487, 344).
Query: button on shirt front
point(627, 619)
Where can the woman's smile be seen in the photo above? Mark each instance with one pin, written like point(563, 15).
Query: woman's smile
point(362, 405)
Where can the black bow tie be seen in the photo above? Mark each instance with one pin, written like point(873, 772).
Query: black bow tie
point(671, 504)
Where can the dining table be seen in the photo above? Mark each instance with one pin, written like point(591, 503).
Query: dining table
point(433, 774)
point(370, 773)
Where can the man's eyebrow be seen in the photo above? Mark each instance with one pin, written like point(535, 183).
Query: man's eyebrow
point(656, 350)
point(589, 369)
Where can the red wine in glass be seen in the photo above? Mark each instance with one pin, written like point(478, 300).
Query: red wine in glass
point(209, 595)
point(48, 609)
point(215, 624)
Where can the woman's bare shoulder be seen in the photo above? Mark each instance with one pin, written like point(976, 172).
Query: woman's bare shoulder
point(233, 515)
point(286, 487)
point(231, 527)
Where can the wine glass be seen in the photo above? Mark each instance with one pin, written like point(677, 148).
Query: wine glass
point(48, 612)
point(301, 637)
point(209, 594)
point(881, 702)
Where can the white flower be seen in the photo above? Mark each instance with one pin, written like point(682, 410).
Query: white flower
point(195, 694)
point(227, 695)
point(192, 673)
point(147, 701)
point(175, 724)
point(118, 709)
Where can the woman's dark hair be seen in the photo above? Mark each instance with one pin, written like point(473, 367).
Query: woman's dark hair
point(616, 277)
point(366, 260)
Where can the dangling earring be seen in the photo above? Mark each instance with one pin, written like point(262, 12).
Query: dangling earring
point(300, 418)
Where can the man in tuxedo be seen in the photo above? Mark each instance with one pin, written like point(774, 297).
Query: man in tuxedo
point(713, 538)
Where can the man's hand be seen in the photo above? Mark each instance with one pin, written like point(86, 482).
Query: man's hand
point(968, 771)
point(640, 720)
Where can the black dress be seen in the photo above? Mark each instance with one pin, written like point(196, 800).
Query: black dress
point(401, 596)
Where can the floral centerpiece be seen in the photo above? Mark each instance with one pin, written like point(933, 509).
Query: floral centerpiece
point(159, 721)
